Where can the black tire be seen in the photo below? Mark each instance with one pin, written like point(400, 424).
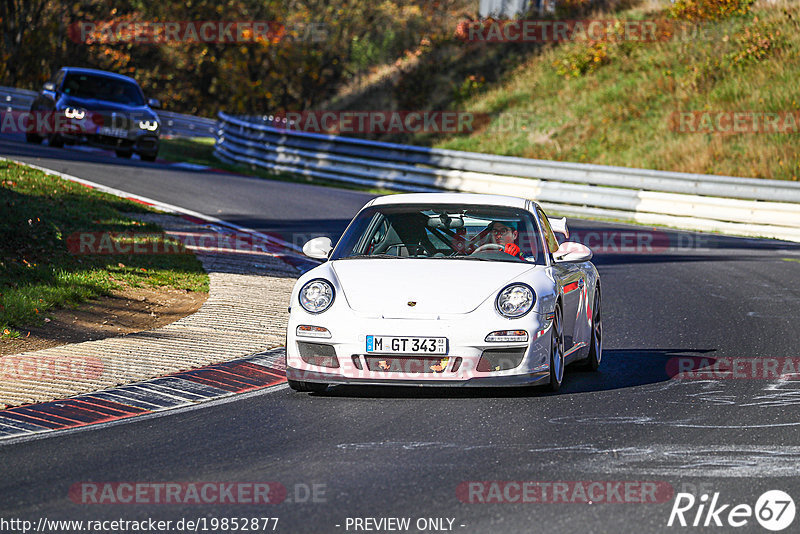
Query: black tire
point(556, 351)
point(124, 153)
point(148, 157)
point(307, 387)
point(55, 141)
point(33, 138)
point(596, 343)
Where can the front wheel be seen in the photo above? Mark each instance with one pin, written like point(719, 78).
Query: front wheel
point(307, 387)
point(556, 352)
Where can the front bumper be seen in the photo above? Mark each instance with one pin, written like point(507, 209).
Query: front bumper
point(529, 379)
point(147, 144)
point(462, 366)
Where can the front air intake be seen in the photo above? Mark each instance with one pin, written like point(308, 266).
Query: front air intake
point(500, 359)
point(318, 354)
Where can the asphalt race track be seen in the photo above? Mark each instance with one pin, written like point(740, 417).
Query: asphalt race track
point(411, 452)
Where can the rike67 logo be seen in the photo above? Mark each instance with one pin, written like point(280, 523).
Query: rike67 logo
point(774, 510)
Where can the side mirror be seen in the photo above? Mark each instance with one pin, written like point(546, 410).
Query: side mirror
point(559, 226)
point(154, 103)
point(572, 252)
point(49, 86)
point(318, 248)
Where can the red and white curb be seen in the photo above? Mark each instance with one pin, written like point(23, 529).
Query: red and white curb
point(179, 390)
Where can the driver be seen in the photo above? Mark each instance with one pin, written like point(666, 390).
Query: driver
point(505, 234)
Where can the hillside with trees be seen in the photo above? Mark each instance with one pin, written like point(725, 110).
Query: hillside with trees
point(609, 100)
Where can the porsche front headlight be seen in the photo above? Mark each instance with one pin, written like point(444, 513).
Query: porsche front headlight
point(316, 296)
point(515, 300)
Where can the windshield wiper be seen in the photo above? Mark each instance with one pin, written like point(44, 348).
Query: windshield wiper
point(363, 256)
point(471, 258)
point(511, 259)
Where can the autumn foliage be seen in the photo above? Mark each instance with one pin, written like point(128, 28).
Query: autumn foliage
point(313, 47)
point(699, 10)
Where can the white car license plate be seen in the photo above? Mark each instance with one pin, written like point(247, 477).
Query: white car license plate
point(406, 345)
point(112, 132)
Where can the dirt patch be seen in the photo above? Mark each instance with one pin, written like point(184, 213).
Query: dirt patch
point(124, 312)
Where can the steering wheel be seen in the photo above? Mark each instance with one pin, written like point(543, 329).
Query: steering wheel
point(488, 246)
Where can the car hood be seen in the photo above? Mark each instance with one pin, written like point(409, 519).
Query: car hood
point(385, 287)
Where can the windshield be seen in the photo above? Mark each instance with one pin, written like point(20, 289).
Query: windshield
point(103, 88)
point(462, 232)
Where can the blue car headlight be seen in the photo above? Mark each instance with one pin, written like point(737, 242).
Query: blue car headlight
point(515, 300)
point(150, 126)
point(74, 113)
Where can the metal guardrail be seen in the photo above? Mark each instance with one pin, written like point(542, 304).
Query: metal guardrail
point(12, 99)
point(180, 125)
point(740, 206)
point(172, 124)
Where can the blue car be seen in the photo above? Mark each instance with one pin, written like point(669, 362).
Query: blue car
point(99, 108)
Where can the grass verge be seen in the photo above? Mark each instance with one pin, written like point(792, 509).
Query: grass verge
point(38, 272)
point(614, 102)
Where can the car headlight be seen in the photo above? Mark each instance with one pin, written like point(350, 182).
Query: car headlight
point(150, 126)
point(316, 296)
point(74, 113)
point(515, 300)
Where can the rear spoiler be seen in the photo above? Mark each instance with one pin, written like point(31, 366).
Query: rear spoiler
point(559, 226)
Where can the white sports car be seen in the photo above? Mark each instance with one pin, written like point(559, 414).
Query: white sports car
point(444, 289)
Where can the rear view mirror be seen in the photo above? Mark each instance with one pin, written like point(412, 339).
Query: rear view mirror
point(318, 248)
point(154, 103)
point(49, 86)
point(444, 221)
